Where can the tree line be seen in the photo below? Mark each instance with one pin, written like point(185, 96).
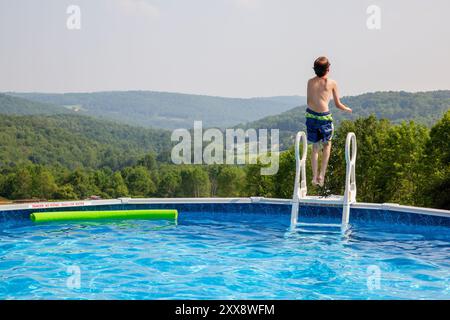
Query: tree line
point(406, 163)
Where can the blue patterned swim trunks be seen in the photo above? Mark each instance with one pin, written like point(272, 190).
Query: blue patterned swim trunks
point(319, 126)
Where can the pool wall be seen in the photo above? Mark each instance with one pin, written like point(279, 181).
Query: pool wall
point(360, 212)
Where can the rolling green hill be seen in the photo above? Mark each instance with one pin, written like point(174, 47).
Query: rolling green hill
point(75, 141)
point(17, 106)
point(167, 110)
point(47, 134)
point(422, 107)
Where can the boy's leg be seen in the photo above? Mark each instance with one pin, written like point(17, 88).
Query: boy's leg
point(325, 157)
point(314, 161)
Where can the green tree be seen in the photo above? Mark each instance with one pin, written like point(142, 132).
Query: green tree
point(43, 183)
point(257, 184)
point(284, 180)
point(82, 183)
point(148, 161)
point(20, 184)
point(230, 181)
point(436, 165)
point(101, 179)
point(138, 181)
point(169, 182)
point(213, 173)
point(2, 184)
point(66, 192)
point(118, 187)
point(400, 170)
point(195, 182)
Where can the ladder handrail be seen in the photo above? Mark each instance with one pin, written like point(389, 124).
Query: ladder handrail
point(300, 187)
point(350, 178)
point(300, 172)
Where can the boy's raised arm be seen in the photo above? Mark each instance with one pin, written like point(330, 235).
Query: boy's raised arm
point(337, 100)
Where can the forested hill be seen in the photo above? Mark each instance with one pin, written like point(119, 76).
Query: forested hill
point(167, 110)
point(17, 106)
point(423, 107)
point(75, 141)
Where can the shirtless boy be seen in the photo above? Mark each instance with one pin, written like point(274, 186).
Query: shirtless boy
point(319, 121)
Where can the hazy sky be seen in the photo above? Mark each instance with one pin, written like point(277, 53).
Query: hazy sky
point(236, 48)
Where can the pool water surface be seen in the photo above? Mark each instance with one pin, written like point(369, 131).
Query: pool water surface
point(222, 256)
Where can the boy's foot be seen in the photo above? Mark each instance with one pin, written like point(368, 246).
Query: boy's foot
point(314, 181)
point(320, 181)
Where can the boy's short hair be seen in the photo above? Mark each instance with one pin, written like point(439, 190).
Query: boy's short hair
point(321, 66)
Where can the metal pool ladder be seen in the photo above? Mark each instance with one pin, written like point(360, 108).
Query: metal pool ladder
point(300, 188)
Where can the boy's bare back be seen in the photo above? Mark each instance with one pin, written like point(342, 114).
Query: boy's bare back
point(320, 90)
point(319, 93)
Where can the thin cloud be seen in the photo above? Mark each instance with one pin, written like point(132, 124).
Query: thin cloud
point(139, 7)
point(248, 4)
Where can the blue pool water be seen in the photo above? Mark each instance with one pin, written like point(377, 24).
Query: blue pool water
point(222, 256)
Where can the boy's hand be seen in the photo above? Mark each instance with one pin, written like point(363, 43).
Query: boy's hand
point(348, 110)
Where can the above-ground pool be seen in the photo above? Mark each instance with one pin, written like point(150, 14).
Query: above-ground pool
point(226, 251)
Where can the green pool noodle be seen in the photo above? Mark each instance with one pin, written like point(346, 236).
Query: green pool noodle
point(104, 215)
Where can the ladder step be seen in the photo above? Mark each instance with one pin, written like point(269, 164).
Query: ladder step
point(318, 225)
point(332, 199)
point(317, 231)
point(318, 228)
